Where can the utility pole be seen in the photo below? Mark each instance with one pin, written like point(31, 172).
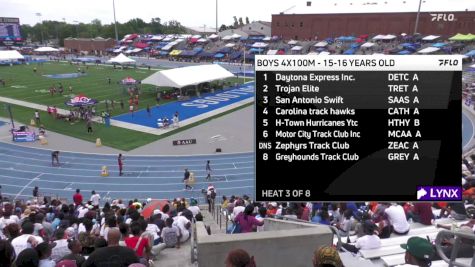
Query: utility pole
point(115, 23)
point(41, 27)
point(417, 17)
point(216, 16)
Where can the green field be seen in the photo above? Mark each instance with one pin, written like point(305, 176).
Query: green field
point(23, 84)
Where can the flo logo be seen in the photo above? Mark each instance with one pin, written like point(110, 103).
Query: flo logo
point(431, 193)
point(442, 17)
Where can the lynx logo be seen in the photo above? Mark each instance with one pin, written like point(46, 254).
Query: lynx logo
point(430, 193)
point(442, 17)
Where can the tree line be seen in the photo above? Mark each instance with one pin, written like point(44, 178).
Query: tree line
point(59, 30)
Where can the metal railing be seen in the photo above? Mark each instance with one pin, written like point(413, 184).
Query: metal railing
point(459, 236)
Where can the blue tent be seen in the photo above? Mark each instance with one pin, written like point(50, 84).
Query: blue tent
point(198, 49)
point(346, 38)
point(219, 55)
point(256, 50)
point(235, 55)
point(470, 54)
point(320, 49)
point(163, 53)
point(224, 50)
point(206, 54)
point(188, 53)
point(439, 45)
point(329, 40)
point(404, 52)
point(349, 52)
point(355, 45)
point(243, 38)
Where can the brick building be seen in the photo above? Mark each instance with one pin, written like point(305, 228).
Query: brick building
point(96, 45)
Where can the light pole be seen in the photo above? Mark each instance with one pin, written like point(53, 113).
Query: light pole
point(115, 22)
point(417, 17)
point(77, 28)
point(41, 27)
point(216, 16)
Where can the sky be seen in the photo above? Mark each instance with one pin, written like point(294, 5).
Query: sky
point(195, 13)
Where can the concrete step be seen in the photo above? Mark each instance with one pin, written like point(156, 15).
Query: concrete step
point(209, 220)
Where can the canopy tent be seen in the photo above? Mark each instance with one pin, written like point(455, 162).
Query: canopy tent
point(404, 52)
point(313, 53)
point(266, 39)
point(80, 101)
point(324, 53)
point(185, 76)
point(219, 55)
point(379, 37)
point(292, 42)
point(349, 52)
point(428, 50)
point(227, 37)
point(439, 45)
point(140, 45)
point(157, 38)
point(230, 45)
point(235, 55)
point(462, 37)
point(259, 45)
point(472, 66)
point(213, 36)
point(175, 52)
point(346, 38)
point(389, 37)
point(10, 55)
point(169, 46)
point(202, 40)
point(128, 81)
point(135, 50)
point(363, 36)
point(430, 37)
point(235, 36)
point(367, 45)
point(46, 49)
point(321, 44)
point(167, 39)
point(205, 54)
point(224, 50)
point(359, 40)
point(256, 50)
point(470, 54)
point(272, 52)
point(121, 59)
point(296, 48)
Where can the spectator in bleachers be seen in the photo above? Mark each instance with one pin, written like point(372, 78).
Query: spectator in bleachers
point(261, 215)
point(113, 254)
point(27, 258)
point(183, 224)
point(457, 211)
point(26, 239)
point(397, 218)
point(61, 245)
point(344, 227)
point(77, 198)
point(76, 249)
point(139, 244)
point(7, 253)
point(248, 222)
point(369, 241)
point(239, 258)
point(194, 208)
point(44, 254)
point(421, 213)
point(326, 257)
point(419, 251)
point(224, 204)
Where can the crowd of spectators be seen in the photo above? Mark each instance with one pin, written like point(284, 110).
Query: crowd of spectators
point(42, 233)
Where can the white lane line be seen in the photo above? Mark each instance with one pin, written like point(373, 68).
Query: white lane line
point(24, 187)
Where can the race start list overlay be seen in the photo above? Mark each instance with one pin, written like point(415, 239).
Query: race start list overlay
point(356, 128)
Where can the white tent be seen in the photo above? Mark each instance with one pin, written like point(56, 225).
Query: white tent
point(292, 42)
point(313, 53)
point(428, 50)
point(272, 52)
point(197, 36)
point(367, 44)
point(10, 55)
point(430, 37)
point(296, 48)
point(227, 37)
point(202, 40)
point(121, 59)
point(324, 53)
point(185, 76)
point(389, 37)
point(213, 36)
point(321, 44)
point(169, 46)
point(235, 36)
point(379, 37)
point(157, 37)
point(472, 66)
point(135, 50)
point(167, 39)
point(230, 45)
point(266, 39)
point(259, 45)
point(46, 49)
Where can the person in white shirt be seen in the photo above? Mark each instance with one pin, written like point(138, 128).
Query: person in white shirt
point(26, 240)
point(95, 198)
point(369, 241)
point(183, 224)
point(194, 207)
point(153, 230)
point(238, 208)
point(61, 245)
point(397, 218)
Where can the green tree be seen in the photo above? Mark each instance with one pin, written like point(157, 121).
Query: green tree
point(240, 22)
point(236, 23)
point(247, 20)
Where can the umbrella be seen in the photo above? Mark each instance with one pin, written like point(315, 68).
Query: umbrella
point(147, 212)
point(129, 80)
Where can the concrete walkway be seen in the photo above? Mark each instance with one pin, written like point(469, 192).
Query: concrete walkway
point(132, 126)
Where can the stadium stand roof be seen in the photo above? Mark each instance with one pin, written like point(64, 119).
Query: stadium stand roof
point(10, 55)
point(194, 75)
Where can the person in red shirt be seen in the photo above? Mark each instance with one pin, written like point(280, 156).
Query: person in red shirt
point(138, 243)
point(77, 198)
point(121, 164)
point(421, 213)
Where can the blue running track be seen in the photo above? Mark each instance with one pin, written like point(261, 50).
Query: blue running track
point(159, 177)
